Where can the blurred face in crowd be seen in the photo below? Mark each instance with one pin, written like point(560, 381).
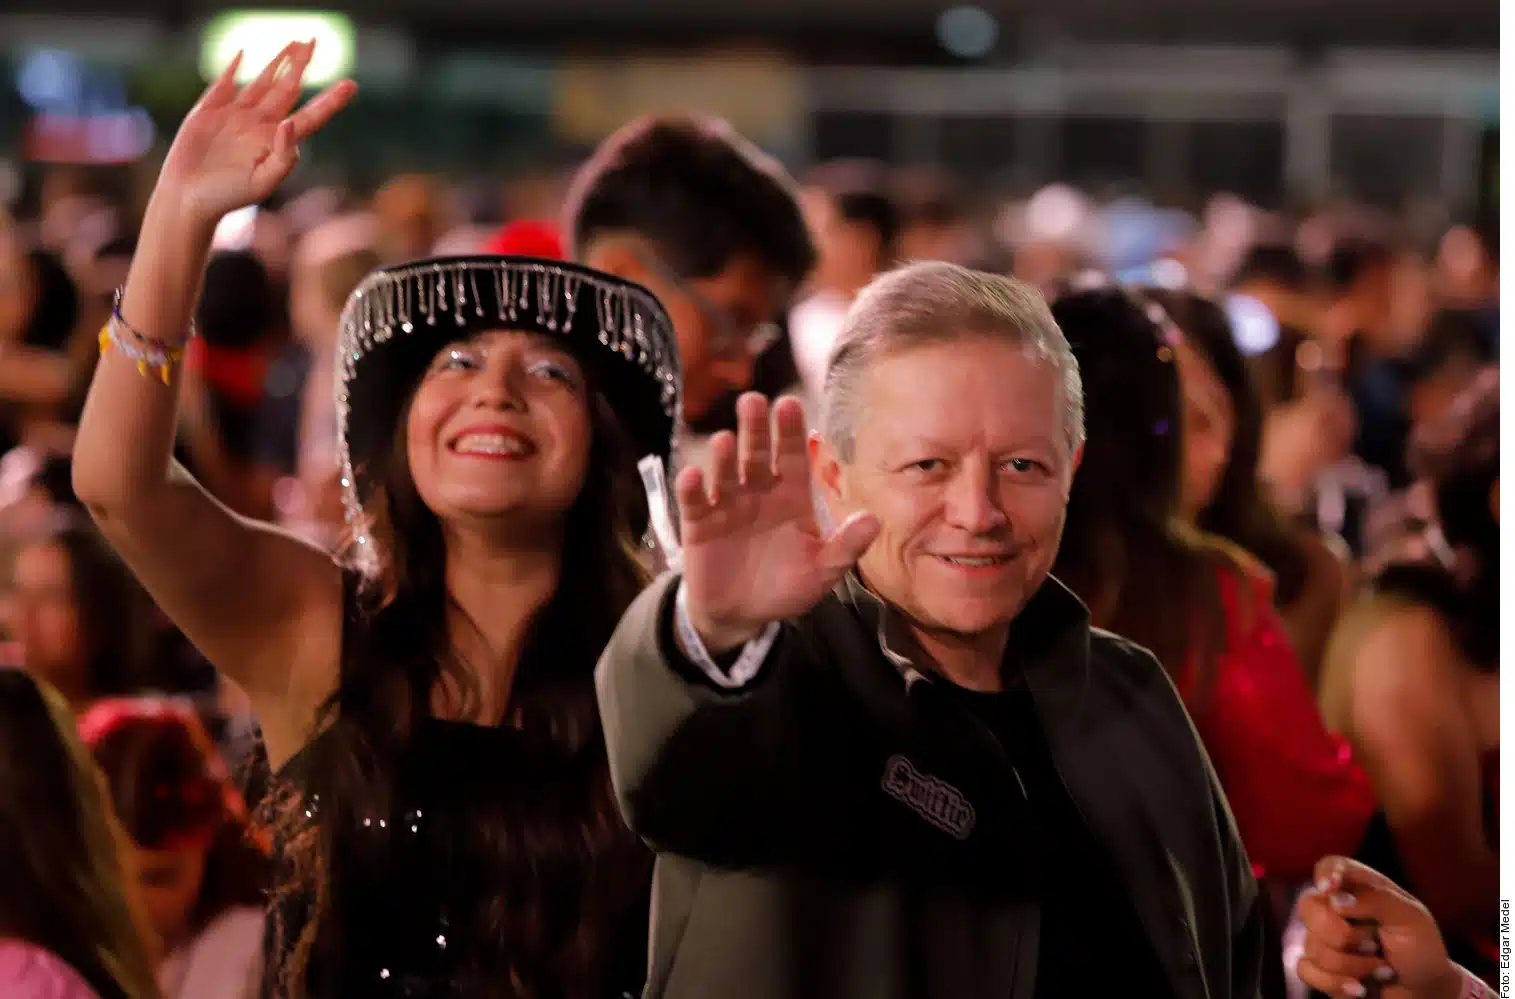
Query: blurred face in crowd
point(1372, 301)
point(961, 453)
point(722, 325)
point(1209, 425)
point(44, 616)
point(1466, 274)
point(1433, 396)
point(1044, 264)
point(500, 424)
point(722, 322)
point(26, 503)
point(329, 263)
point(1409, 309)
point(850, 252)
point(170, 881)
point(1303, 437)
point(309, 312)
point(948, 241)
point(407, 211)
point(270, 241)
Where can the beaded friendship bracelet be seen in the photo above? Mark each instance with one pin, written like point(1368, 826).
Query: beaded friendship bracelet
point(150, 353)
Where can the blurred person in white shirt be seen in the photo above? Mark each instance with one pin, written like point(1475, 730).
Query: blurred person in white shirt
point(329, 261)
point(856, 223)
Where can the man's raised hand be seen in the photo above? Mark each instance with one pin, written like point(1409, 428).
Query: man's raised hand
point(753, 550)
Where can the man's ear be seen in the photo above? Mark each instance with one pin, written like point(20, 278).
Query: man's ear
point(826, 470)
point(1078, 459)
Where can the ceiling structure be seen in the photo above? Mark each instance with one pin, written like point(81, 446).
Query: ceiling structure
point(1025, 25)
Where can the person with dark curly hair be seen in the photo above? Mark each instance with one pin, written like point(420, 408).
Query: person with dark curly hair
point(698, 215)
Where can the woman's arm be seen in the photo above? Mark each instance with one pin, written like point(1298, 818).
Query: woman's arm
point(1315, 610)
point(264, 607)
point(1409, 727)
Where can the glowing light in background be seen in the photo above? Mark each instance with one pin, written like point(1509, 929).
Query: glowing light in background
point(1055, 213)
point(967, 32)
point(50, 79)
point(1169, 273)
point(260, 35)
point(235, 231)
point(1253, 325)
point(81, 112)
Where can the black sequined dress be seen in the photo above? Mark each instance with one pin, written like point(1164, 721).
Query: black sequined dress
point(407, 884)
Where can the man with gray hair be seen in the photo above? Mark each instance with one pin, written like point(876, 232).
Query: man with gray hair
point(893, 760)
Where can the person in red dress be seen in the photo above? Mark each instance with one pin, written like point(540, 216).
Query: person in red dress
point(1202, 606)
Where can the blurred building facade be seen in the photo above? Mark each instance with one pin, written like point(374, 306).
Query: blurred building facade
point(1276, 100)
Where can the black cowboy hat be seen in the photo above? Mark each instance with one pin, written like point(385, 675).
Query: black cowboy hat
point(399, 317)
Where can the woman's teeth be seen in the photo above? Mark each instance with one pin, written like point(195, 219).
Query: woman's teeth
point(490, 444)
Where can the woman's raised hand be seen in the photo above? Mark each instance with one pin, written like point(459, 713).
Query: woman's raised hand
point(235, 147)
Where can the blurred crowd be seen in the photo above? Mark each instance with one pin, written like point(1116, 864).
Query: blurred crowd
point(1340, 438)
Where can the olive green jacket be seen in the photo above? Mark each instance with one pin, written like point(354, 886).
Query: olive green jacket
point(822, 831)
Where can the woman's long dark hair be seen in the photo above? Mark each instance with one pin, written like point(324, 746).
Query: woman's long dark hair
point(1123, 520)
point(571, 867)
point(61, 885)
point(57, 303)
point(1238, 511)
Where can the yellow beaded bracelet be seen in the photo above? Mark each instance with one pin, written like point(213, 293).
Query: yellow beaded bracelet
point(149, 356)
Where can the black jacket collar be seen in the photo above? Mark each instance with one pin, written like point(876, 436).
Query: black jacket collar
point(1049, 639)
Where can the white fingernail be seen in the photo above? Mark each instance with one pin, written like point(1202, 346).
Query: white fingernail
point(1384, 974)
point(1355, 989)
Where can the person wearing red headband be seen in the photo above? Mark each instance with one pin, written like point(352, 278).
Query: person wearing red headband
point(201, 869)
point(527, 238)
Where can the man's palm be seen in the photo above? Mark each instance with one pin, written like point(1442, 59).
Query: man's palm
point(753, 550)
